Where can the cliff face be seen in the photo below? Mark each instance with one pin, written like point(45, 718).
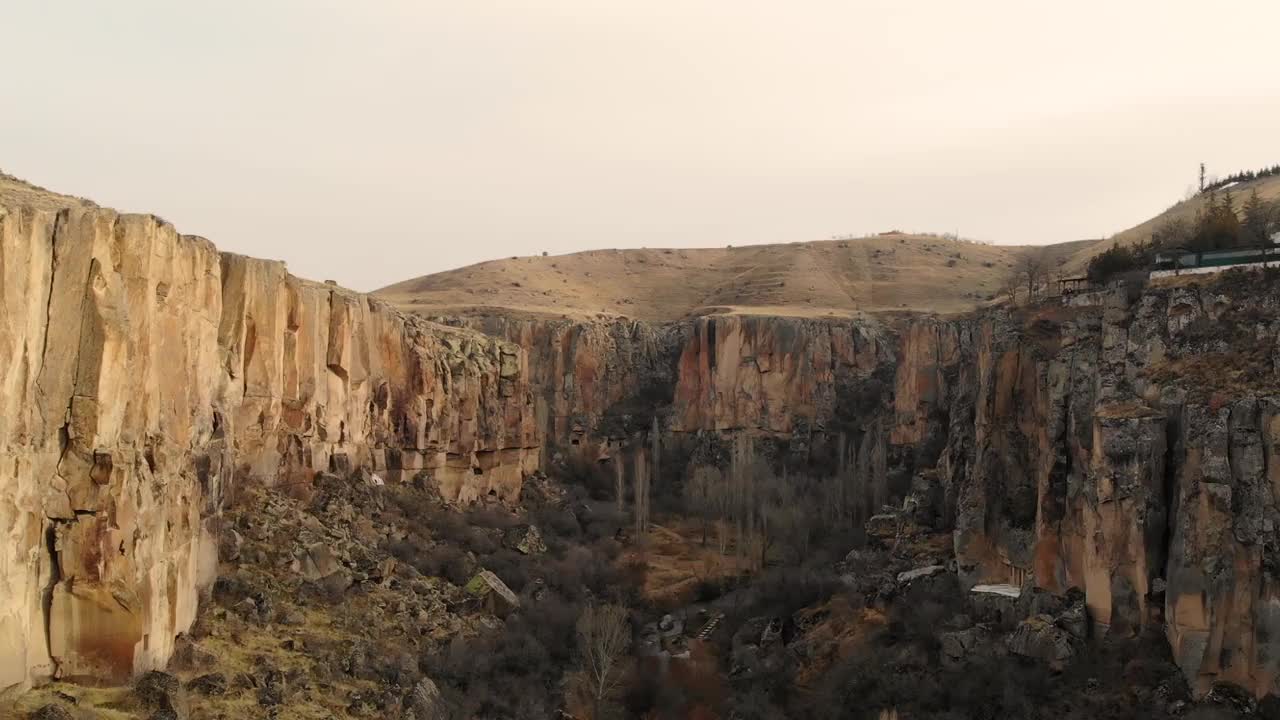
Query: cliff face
point(146, 375)
point(1128, 449)
point(779, 376)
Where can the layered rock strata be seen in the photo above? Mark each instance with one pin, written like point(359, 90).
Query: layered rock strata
point(146, 376)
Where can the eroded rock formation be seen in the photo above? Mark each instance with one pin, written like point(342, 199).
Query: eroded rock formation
point(146, 376)
point(806, 380)
point(1126, 446)
point(1127, 449)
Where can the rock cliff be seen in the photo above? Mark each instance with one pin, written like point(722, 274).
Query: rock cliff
point(1128, 449)
point(769, 375)
point(1126, 446)
point(147, 376)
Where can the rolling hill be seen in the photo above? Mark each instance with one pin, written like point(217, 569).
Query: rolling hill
point(883, 273)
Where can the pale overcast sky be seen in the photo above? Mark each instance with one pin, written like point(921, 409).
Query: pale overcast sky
point(373, 141)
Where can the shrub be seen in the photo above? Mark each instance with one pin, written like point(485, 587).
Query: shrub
point(597, 478)
point(1118, 259)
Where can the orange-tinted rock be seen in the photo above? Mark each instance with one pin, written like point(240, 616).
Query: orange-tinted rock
point(146, 375)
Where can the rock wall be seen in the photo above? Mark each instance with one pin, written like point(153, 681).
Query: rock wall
point(1128, 449)
point(778, 376)
point(146, 376)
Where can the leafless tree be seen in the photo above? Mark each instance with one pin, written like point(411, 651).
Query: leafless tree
point(1033, 268)
point(655, 448)
point(702, 495)
point(1172, 233)
point(640, 483)
point(603, 637)
point(619, 483)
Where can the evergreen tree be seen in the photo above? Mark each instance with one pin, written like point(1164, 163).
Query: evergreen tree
point(1217, 226)
point(1256, 220)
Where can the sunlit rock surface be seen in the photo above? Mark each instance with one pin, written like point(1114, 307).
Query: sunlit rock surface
point(147, 376)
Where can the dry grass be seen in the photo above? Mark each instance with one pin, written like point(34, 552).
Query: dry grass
point(838, 630)
point(676, 561)
point(238, 650)
point(1224, 375)
point(15, 193)
point(815, 279)
point(99, 703)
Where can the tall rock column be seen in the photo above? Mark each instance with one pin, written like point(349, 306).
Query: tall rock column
point(1223, 599)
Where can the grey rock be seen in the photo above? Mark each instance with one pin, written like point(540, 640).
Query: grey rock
point(52, 711)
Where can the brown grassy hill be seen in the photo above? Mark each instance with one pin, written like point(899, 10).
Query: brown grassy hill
point(15, 193)
point(1268, 189)
point(891, 272)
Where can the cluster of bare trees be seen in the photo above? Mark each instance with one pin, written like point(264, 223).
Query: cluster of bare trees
point(1030, 275)
point(751, 510)
point(748, 509)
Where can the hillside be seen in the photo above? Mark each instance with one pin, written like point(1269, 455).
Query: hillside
point(15, 193)
point(892, 272)
point(1268, 189)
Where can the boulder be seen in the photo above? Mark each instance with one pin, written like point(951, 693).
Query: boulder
point(316, 562)
point(161, 693)
point(52, 711)
point(960, 646)
point(1040, 638)
point(272, 688)
point(209, 684)
point(996, 603)
point(426, 702)
point(492, 593)
point(526, 540)
point(884, 526)
point(927, 571)
point(229, 544)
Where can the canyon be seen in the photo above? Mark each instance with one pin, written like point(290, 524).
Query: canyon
point(1125, 443)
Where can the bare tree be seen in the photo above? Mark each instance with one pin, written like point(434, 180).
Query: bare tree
point(640, 483)
point(788, 514)
point(1033, 268)
point(603, 637)
point(655, 440)
point(1172, 233)
point(702, 495)
point(619, 484)
point(1009, 289)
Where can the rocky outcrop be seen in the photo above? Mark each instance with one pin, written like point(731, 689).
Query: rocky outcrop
point(1128, 450)
point(146, 377)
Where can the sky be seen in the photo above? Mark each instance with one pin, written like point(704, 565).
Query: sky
point(370, 142)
